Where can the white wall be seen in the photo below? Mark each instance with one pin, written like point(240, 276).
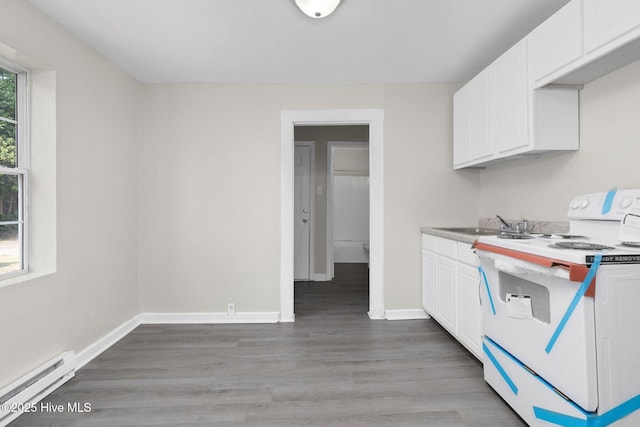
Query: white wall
point(96, 157)
point(210, 197)
point(608, 156)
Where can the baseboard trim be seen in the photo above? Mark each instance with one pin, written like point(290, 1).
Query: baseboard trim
point(321, 278)
point(208, 318)
point(94, 350)
point(406, 314)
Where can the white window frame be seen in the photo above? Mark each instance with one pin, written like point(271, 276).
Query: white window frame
point(22, 165)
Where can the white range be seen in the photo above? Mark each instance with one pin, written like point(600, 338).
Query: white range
point(561, 316)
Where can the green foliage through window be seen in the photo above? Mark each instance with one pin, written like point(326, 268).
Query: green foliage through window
point(9, 183)
point(8, 81)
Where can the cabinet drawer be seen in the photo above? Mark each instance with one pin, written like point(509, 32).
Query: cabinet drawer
point(467, 255)
point(429, 242)
point(447, 247)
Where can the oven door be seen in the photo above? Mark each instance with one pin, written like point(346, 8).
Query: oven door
point(523, 307)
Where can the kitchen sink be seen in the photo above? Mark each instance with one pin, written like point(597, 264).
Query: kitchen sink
point(475, 231)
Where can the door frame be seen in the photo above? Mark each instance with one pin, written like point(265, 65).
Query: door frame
point(331, 145)
point(312, 203)
point(288, 120)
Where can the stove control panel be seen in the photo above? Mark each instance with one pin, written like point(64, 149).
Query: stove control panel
point(611, 205)
point(630, 224)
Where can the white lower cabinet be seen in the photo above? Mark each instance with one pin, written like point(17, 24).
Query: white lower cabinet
point(450, 289)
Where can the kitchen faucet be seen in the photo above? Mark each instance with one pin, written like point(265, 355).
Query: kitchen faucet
point(505, 225)
point(521, 227)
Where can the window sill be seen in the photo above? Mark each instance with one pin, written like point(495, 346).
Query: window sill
point(23, 277)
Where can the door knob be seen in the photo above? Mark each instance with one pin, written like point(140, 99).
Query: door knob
point(305, 210)
point(305, 220)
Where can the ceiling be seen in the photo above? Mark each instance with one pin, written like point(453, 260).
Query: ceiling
point(271, 41)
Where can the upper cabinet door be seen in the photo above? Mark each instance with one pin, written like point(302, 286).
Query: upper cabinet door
point(606, 20)
point(511, 89)
point(473, 113)
point(482, 105)
point(557, 42)
point(461, 124)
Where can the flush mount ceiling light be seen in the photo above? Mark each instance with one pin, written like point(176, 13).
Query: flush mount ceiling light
point(317, 8)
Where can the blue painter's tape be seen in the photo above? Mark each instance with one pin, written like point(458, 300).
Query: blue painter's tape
point(504, 352)
point(608, 201)
point(559, 419)
point(613, 415)
point(620, 411)
point(574, 303)
point(500, 369)
point(486, 285)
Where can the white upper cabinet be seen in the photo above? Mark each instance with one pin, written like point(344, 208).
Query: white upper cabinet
point(497, 115)
point(557, 42)
point(476, 116)
point(611, 39)
point(521, 104)
point(606, 21)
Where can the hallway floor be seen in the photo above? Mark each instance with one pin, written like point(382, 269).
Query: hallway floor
point(332, 367)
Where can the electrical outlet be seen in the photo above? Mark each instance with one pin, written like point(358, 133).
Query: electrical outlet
point(231, 309)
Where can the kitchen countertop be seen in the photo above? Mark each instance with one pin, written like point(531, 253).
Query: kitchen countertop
point(460, 237)
point(543, 227)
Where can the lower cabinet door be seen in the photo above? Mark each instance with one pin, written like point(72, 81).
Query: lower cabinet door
point(469, 315)
point(446, 274)
point(429, 283)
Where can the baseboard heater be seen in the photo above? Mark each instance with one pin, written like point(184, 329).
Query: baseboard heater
point(35, 385)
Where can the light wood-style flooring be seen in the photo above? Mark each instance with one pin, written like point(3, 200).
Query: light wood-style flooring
point(332, 367)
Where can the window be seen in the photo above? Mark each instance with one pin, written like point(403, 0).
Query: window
point(13, 170)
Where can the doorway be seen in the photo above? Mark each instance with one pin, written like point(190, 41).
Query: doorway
point(335, 208)
point(374, 120)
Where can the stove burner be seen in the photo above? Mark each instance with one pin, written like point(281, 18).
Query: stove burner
point(571, 236)
point(516, 236)
point(630, 244)
point(581, 246)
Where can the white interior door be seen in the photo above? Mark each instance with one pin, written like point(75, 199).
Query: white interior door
point(302, 212)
